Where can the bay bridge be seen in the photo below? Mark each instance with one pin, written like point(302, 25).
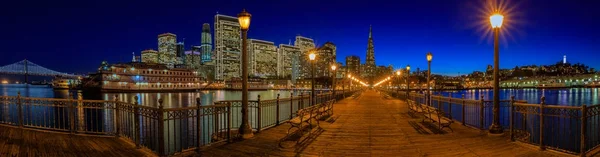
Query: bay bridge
point(28, 68)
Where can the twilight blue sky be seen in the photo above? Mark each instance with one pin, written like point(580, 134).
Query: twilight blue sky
point(75, 36)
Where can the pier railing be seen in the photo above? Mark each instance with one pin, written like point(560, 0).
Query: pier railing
point(568, 129)
point(165, 131)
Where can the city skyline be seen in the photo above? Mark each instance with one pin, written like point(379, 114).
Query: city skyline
point(396, 46)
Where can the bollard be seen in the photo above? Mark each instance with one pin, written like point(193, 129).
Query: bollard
point(198, 128)
point(137, 122)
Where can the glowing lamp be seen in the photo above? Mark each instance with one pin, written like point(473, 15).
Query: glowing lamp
point(398, 73)
point(429, 56)
point(312, 56)
point(333, 67)
point(408, 67)
point(496, 20)
point(244, 20)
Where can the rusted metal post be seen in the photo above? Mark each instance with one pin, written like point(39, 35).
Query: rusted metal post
point(512, 118)
point(291, 104)
point(481, 113)
point(228, 122)
point(450, 105)
point(583, 129)
point(73, 110)
point(300, 102)
point(20, 107)
point(137, 121)
point(277, 112)
point(259, 118)
point(198, 128)
point(542, 147)
point(117, 116)
point(161, 127)
point(463, 110)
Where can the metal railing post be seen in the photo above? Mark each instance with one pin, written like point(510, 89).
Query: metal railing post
point(542, 147)
point(136, 119)
point(198, 128)
point(72, 111)
point(291, 105)
point(20, 108)
point(583, 129)
point(259, 114)
point(117, 116)
point(481, 113)
point(300, 102)
point(229, 122)
point(463, 110)
point(161, 131)
point(277, 112)
point(512, 118)
point(450, 105)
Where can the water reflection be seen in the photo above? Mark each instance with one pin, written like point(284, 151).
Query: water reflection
point(570, 97)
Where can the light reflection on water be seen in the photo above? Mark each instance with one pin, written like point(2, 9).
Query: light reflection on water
point(568, 96)
point(170, 100)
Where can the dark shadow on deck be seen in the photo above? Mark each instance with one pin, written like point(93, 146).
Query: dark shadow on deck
point(26, 142)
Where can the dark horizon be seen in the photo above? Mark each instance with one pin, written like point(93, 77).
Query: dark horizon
point(74, 36)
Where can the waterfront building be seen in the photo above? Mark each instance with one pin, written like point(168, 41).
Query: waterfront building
point(206, 43)
point(167, 49)
point(262, 58)
point(325, 58)
point(288, 62)
point(228, 47)
point(150, 56)
point(353, 65)
point(370, 60)
point(180, 53)
point(146, 77)
point(192, 59)
point(305, 45)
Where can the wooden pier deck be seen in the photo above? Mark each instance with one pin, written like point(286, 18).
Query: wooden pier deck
point(25, 142)
point(372, 125)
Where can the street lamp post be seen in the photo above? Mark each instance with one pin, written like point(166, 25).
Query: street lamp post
point(496, 21)
point(429, 57)
point(312, 56)
point(407, 80)
point(245, 129)
point(333, 67)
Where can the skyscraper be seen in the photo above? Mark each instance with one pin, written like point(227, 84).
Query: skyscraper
point(206, 43)
point(370, 60)
point(353, 65)
point(288, 62)
point(325, 58)
point(167, 49)
point(304, 44)
point(180, 51)
point(262, 58)
point(228, 46)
